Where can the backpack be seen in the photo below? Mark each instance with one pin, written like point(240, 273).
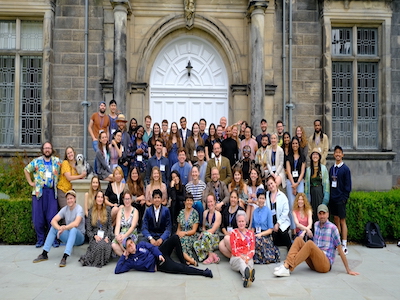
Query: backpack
point(373, 236)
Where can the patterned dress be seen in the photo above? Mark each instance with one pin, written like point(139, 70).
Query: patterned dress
point(98, 254)
point(126, 224)
point(208, 242)
point(187, 241)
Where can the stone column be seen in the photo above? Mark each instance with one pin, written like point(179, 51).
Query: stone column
point(121, 10)
point(256, 15)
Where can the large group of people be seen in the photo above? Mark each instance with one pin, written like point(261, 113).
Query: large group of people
point(195, 191)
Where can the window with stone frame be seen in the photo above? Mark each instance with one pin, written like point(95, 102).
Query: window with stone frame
point(21, 64)
point(355, 87)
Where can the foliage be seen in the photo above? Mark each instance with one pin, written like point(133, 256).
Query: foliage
point(12, 177)
point(379, 207)
point(16, 221)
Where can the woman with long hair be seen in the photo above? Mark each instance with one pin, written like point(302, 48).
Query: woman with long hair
point(115, 149)
point(100, 233)
point(192, 142)
point(132, 128)
point(229, 223)
point(152, 142)
point(295, 170)
point(126, 223)
point(211, 140)
point(235, 135)
point(114, 192)
point(253, 185)
point(240, 186)
point(156, 183)
point(136, 188)
point(95, 186)
point(208, 240)
point(316, 183)
point(68, 173)
point(139, 150)
point(173, 144)
point(103, 158)
point(302, 215)
point(188, 223)
point(287, 144)
point(303, 141)
point(176, 191)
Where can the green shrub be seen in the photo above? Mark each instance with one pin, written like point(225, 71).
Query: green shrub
point(16, 222)
point(379, 207)
point(12, 177)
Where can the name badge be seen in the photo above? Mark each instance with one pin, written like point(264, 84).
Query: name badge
point(258, 229)
point(139, 158)
point(100, 233)
point(273, 168)
point(295, 174)
point(162, 168)
point(194, 153)
point(229, 228)
point(334, 184)
point(212, 155)
point(48, 174)
point(273, 212)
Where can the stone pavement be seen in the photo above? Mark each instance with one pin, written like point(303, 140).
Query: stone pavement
point(21, 279)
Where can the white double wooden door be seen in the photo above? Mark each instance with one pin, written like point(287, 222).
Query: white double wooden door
point(203, 94)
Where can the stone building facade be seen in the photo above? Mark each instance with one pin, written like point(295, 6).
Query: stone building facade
point(337, 61)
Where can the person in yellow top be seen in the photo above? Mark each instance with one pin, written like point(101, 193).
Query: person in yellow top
point(68, 173)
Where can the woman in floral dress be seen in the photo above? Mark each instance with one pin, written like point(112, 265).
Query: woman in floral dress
point(209, 238)
point(188, 222)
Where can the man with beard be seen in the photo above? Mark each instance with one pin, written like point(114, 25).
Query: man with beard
point(218, 188)
point(264, 127)
point(230, 148)
point(222, 164)
point(99, 121)
point(320, 141)
point(280, 129)
point(45, 170)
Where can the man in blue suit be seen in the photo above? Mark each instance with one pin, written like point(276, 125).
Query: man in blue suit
point(156, 227)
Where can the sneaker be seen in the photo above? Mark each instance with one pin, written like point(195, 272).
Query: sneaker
point(282, 272)
point(208, 273)
point(278, 267)
point(40, 258)
point(63, 262)
point(345, 250)
point(39, 244)
point(246, 280)
point(252, 275)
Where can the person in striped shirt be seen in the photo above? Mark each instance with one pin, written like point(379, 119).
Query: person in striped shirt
point(319, 253)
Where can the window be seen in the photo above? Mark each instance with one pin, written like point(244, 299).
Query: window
point(355, 87)
point(21, 59)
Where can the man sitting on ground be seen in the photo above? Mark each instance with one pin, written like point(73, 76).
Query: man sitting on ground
point(319, 254)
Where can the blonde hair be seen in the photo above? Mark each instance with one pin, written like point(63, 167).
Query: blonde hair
point(307, 205)
point(96, 211)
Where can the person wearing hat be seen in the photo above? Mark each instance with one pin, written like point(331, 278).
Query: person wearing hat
point(72, 233)
point(319, 253)
point(123, 161)
point(316, 185)
point(144, 256)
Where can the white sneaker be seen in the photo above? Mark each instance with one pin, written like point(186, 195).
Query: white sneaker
point(282, 272)
point(278, 267)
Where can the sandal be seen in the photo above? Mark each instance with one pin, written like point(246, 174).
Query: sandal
point(209, 260)
point(216, 258)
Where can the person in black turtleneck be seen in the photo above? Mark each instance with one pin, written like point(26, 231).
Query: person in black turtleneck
point(230, 148)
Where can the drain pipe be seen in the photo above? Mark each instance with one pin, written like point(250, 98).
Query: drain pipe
point(284, 62)
point(290, 104)
point(85, 103)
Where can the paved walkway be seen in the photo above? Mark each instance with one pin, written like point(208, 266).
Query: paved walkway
point(21, 279)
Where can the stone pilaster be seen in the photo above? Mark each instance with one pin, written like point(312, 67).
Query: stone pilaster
point(256, 14)
point(121, 10)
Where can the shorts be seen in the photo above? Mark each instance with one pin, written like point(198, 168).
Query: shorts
point(338, 209)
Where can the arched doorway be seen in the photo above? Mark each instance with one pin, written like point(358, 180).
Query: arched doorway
point(203, 94)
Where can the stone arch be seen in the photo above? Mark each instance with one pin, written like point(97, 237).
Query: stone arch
point(170, 24)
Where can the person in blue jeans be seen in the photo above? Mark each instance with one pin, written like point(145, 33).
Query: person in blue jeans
point(72, 234)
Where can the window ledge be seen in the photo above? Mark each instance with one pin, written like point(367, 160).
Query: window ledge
point(371, 155)
point(12, 152)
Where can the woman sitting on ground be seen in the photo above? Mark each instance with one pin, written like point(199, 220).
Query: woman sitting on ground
point(242, 243)
point(209, 238)
point(188, 222)
point(126, 223)
point(266, 252)
point(229, 223)
point(95, 186)
point(302, 215)
point(100, 233)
